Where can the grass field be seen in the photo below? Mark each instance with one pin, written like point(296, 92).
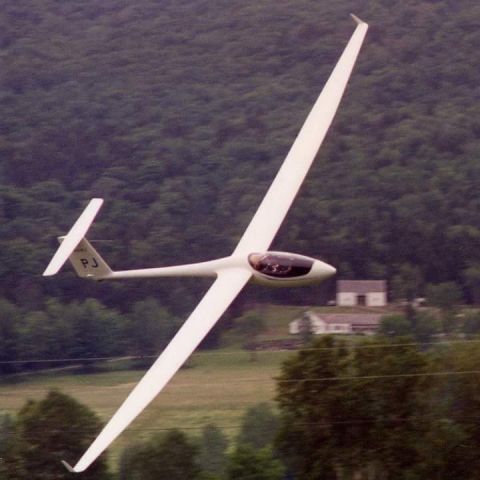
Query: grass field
point(215, 386)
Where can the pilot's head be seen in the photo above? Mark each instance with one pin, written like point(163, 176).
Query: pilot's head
point(255, 259)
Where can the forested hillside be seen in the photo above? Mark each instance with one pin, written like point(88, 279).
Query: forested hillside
point(179, 114)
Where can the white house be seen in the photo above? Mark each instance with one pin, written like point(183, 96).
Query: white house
point(337, 323)
point(370, 293)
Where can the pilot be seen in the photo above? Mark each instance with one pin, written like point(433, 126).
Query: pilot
point(272, 266)
point(278, 269)
point(256, 260)
point(269, 264)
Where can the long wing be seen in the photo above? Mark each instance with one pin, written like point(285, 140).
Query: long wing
point(269, 216)
point(211, 307)
point(73, 237)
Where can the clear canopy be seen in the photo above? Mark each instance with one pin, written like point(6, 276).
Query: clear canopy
point(283, 265)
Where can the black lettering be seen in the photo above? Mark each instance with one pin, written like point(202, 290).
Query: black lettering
point(95, 263)
point(84, 262)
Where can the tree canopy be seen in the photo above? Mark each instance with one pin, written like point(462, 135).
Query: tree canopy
point(380, 409)
point(164, 456)
point(54, 429)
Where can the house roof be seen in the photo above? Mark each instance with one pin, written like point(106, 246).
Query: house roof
point(361, 286)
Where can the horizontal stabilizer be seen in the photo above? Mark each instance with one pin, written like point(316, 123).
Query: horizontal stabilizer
point(73, 237)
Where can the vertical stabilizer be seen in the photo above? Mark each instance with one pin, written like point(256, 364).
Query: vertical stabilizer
point(88, 263)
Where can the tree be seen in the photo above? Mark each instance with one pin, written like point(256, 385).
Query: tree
point(249, 463)
point(446, 296)
point(150, 327)
point(95, 331)
point(9, 336)
point(44, 336)
point(310, 398)
point(455, 431)
point(11, 465)
point(406, 283)
point(420, 325)
point(395, 325)
point(259, 426)
point(368, 424)
point(387, 403)
point(212, 450)
point(250, 326)
point(171, 456)
point(471, 277)
point(427, 325)
point(54, 429)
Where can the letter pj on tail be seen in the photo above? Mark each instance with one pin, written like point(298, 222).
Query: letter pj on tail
point(251, 259)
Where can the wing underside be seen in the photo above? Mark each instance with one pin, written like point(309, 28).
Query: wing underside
point(271, 212)
point(220, 295)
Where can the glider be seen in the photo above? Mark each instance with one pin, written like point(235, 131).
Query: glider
point(250, 260)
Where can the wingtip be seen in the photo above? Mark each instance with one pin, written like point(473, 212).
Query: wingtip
point(50, 271)
point(357, 20)
point(68, 467)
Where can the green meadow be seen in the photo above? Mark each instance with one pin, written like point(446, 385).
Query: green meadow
point(214, 387)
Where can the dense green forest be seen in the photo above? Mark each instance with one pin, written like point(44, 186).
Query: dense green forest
point(179, 114)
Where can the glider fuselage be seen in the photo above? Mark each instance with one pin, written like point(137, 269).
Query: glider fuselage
point(267, 268)
point(287, 269)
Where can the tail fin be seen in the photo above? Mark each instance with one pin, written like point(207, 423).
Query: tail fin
point(74, 237)
point(88, 263)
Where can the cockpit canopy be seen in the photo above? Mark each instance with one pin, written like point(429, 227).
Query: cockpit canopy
point(280, 265)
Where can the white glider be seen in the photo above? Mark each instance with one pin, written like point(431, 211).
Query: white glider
point(250, 259)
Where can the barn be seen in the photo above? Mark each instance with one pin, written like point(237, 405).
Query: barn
point(369, 293)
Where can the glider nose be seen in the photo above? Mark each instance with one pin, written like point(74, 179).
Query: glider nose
point(323, 270)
